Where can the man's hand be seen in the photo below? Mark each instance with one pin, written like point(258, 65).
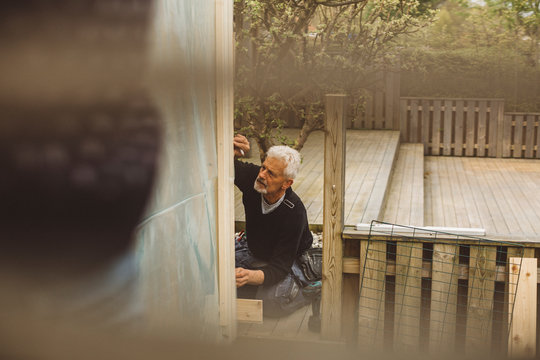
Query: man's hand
point(248, 277)
point(241, 145)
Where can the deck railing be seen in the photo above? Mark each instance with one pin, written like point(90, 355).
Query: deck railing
point(437, 292)
point(469, 127)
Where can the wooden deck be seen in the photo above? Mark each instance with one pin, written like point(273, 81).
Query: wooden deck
point(499, 195)
point(398, 184)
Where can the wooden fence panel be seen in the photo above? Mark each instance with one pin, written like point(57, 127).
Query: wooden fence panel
point(471, 127)
point(529, 136)
point(447, 132)
point(471, 124)
point(482, 128)
point(518, 136)
point(458, 149)
point(436, 134)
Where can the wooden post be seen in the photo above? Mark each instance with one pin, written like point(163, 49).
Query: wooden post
point(225, 181)
point(334, 188)
point(522, 304)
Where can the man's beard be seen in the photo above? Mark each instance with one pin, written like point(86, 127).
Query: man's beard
point(260, 186)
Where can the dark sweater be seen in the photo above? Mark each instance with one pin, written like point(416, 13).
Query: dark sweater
point(279, 237)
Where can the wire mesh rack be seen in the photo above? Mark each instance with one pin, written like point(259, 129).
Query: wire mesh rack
point(422, 289)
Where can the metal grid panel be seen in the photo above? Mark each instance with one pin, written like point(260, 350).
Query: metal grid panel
point(430, 290)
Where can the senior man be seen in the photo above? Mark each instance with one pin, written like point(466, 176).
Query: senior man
point(277, 230)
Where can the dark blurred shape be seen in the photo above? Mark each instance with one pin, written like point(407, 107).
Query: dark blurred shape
point(79, 136)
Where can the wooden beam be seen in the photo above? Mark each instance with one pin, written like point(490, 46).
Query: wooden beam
point(225, 154)
point(333, 220)
point(425, 231)
point(249, 310)
point(522, 304)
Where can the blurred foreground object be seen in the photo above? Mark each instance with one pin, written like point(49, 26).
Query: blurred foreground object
point(79, 137)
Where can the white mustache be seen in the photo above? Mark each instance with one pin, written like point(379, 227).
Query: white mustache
point(261, 180)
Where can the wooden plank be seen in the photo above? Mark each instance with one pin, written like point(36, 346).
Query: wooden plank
point(529, 136)
point(372, 289)
point(482, 266)
point(424, 125)
point(249, 310)
point(500, 128)
point(523, 280)
point(396, 97)
point(482, 129)
point(447, 133)
point(538, 137)
point(388, 102)
point(413, 136)
point(449, 209)
point(403, 121)
point(444, 285)
point(458, 141)
point(468, 200)
point(334, 187)
point(493, 128)
point(408, 297)
point(417, 206)
point(471, 124)
point(507, 136)
point(518, 136)
point(225, 182)
point(379, 109)
point(459, 201)
point(436, 130)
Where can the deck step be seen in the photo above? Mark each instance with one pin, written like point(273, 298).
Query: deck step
point(405, 202)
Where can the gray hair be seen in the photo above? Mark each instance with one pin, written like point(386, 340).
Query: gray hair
point(290, 156)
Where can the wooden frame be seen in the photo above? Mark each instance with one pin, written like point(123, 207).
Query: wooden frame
point(225, 154)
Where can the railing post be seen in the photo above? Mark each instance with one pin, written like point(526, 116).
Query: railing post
point(522, 334)
point(334, 192)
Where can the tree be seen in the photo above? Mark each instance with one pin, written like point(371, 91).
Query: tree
point(289, 53)
point(474, 51)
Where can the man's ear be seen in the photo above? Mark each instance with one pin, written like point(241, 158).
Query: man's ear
point(287, 184)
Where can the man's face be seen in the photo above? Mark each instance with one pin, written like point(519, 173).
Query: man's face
point(271, 179)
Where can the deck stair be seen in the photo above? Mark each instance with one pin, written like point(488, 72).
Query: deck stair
point(405, 201)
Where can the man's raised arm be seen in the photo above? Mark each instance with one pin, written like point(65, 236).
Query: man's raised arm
point(241, 145)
